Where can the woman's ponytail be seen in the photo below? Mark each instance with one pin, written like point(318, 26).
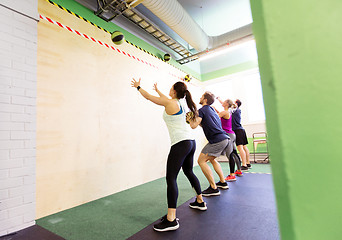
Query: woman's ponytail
point(182, 91)
point(191, 104)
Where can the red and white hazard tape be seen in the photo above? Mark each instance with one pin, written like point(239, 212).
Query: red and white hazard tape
point(99, 42)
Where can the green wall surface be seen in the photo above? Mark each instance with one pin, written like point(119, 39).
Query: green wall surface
point(300, 50)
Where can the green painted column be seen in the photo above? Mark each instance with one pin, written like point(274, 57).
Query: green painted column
point(300, 58)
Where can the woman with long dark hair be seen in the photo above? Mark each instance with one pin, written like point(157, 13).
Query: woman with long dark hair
point(182, 150)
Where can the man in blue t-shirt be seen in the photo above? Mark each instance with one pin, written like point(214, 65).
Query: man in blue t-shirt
point(219, 143)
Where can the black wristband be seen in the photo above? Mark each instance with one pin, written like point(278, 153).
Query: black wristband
point(138, 87)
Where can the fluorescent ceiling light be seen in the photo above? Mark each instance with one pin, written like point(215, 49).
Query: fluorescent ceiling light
point(225, 49)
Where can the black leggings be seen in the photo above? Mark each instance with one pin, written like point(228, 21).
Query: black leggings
point(181, 156)
point(234, 159)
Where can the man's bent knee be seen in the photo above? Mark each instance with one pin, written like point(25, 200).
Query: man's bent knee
point(212, 160)
point(203, 158)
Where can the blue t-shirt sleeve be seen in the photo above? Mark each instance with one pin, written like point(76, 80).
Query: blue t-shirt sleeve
point(200, 113)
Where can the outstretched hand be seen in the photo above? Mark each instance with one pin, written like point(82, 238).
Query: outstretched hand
point(155, 88)
point(135, 83)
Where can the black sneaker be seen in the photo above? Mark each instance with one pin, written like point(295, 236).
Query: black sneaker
point(222, 185)
point(244, 168)
point(166, 225)
point(201, 206)
point(249, 165)
point(211, 192)
point(165, 216)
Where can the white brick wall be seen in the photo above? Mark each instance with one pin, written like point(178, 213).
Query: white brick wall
point(18, 66)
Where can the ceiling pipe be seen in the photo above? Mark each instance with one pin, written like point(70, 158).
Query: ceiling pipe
point(133, 3)
point(221, 47)
point(232, 36)
point(175, 16)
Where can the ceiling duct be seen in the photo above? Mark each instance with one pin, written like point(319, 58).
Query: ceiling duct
point(175, 16)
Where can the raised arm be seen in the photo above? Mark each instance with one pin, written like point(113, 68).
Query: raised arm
point(162, 100)
point(217, 111)
point(224, 114)
point(155, 87)
point(219, 99)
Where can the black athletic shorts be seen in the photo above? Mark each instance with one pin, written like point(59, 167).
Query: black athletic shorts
point(241, 137)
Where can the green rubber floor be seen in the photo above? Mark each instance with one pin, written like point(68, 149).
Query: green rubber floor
point(123, 214)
